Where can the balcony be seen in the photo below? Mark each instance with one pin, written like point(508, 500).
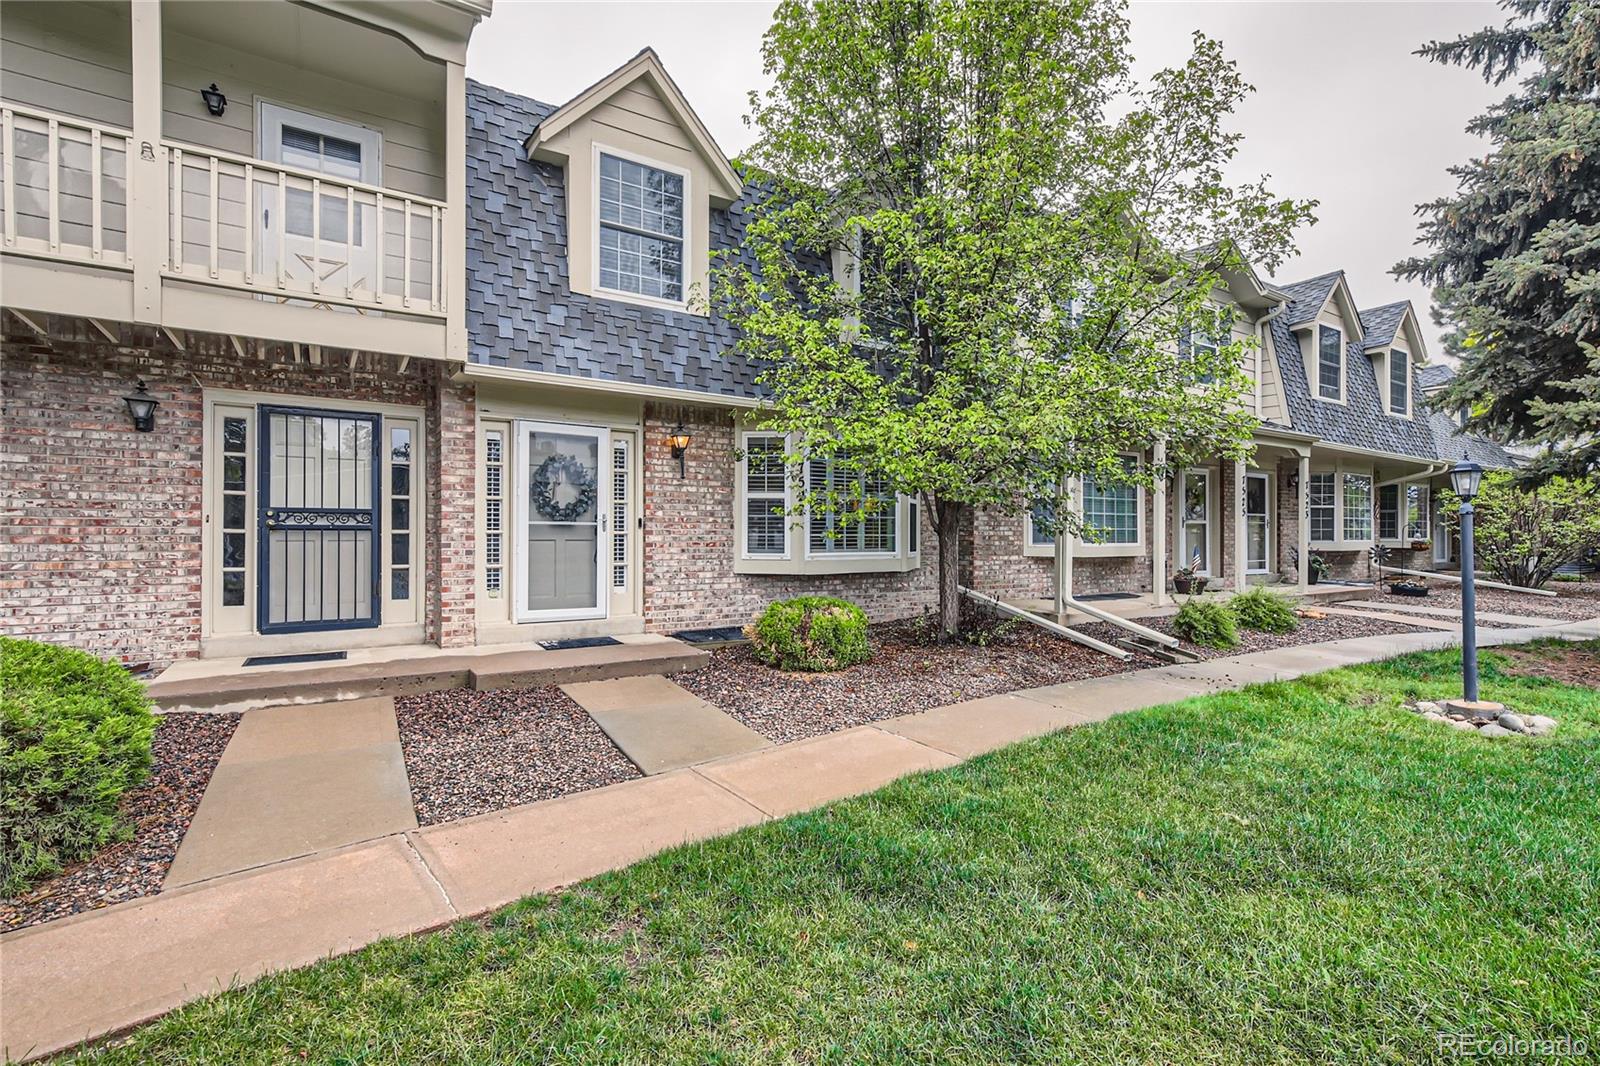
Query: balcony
point(235, 226)
point(322, 203)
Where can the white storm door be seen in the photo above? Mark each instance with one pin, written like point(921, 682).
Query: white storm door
point(563, 485)
point(323, 237)
point(1194, 521)
point(1257, 524)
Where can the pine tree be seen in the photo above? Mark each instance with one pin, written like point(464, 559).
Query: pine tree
point(1515, 261)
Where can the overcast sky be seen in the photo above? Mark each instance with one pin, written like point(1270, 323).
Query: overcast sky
point(1343, 112)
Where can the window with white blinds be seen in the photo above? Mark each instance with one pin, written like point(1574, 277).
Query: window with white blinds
point(856, 512)
point(766, 501)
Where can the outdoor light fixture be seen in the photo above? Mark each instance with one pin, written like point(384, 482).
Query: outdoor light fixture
point(678, 441)
point(216, 103)
point(1464, 479)
point(142, 409)
point(1294, 482)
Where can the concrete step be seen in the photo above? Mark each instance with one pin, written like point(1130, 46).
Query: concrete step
point(662, 726)
point(246, 688)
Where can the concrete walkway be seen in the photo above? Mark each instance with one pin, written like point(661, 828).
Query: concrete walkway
point(662, 726)
point(298, 780)
point(95, 973)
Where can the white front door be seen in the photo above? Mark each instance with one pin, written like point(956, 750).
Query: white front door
point(1194, 521)
point(322, 237)
point(1257, 524)
point(563, 486)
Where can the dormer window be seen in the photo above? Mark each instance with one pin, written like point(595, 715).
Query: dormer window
point(641, 229)
point(1399, 382)
point(1330, 363)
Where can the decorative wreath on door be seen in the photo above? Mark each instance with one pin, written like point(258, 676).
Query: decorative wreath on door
point(562, 468)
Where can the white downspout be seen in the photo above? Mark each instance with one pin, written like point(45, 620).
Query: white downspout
point(1158, 526)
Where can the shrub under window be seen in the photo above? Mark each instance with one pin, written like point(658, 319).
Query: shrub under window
point(811, 633)
point(74, 735)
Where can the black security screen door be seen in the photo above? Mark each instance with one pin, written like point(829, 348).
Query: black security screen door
point(319, 494)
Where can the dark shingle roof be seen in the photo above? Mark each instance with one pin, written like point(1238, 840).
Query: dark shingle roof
point(521, 310)
point(1380, 323)
point(1359, 422)
point(1452, 445)
point(1307, 297)
point(1435, 376)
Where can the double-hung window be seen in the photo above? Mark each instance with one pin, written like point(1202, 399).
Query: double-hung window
point(1357, 506)
point(1399, 382)
point(855, 512)
point(1320, 506)
point(1111, 511)
point(766, 520)
point(1330, 363)
point(641, 229)
point(1196, 346)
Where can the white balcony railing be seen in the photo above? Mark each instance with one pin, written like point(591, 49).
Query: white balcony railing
point(277, 231)
point(300, 235)
point(65, 187)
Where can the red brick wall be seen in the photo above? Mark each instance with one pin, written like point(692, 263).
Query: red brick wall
point(452, 522)
point(689, 544)
point(101, 524)
point(1000, 568)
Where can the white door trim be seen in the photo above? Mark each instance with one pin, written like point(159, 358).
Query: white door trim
point(1179, 525)
point(519, 492)
point(1267, 502)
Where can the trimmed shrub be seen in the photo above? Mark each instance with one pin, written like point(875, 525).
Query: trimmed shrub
point(1262, 609)
point(74, 735)
point(811, 633)
point(1206, 623)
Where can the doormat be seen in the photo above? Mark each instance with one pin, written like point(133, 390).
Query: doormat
point(308, 657)
point(1108, 596)
point(578, 642)
point(718, 635)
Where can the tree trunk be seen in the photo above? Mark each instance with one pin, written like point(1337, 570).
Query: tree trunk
point(947, 527)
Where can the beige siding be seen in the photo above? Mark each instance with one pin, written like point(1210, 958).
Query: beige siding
point(70, 58)
point(73, 58)
point(637, 110)
point(1272, 405)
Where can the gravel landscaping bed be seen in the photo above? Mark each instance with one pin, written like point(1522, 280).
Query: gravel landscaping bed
point(184, 752)
point(472, 752)
point(1311, 631)
point(905, 676)
point(1574, 601)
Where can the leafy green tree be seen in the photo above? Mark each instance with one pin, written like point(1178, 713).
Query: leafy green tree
point(1011, 265)
point(1523, 535)
point(1515, 260)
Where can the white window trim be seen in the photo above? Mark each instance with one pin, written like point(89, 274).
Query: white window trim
point(742, 496)
point(1271, 517)
point(1213, 476)
point(1316, 364)
point(598, 149)
point(899, 533)
point(805, 563)
point(1402, 488)
point(1338, 470)
point(1082, 549)
point(1388, 387)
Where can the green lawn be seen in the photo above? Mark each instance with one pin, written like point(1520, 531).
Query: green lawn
point(1299, 872)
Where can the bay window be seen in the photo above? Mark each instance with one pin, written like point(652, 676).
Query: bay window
point(1388, 512)
point(860, 514)
point(1111, 511)
point(1320, 506)
point(766, 496)
point(1417, 511)
point(1357, 506)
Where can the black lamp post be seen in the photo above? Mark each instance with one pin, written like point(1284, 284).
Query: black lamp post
point(1464, 479)
point(142, 408)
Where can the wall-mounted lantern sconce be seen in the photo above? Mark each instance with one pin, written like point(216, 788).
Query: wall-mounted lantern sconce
point(1294, 482)
point(142, 409)
point(216, 103)
point(678, 440)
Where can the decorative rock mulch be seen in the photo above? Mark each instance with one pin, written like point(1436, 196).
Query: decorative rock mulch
point(184, 752)
point(473, 752)
point(905, 676)
point(1506, 724)
point(1573, 601)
